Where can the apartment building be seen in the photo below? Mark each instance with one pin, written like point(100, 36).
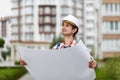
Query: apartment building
point(90, 25)
point(110, 29)
point(35, 22)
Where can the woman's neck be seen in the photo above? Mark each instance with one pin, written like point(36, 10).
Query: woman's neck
point(68, 39)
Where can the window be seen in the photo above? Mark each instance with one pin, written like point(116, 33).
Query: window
point(47, 10)
point(29, 19)
point(90, 5)
point(119, 8)
point(47, 19)
point(14, 3)
point(28, 2)
point(111, 7)
point(106, 7)
point(22, 20)
point(79, 4)
point(119, 26)
point(53, 20)
point(116, 8)
point(22, 2)
point(47, 37)
point(89, 29)
point(14, 21)
point(79, 13)
point(29, 36)
point(29, 10)
point(41, 10)
point(71, 11)
point(65, 10)
point(71, 3)
point(116, 25)
point(22, 11)
point(106, 27)
point(64, 1)
point(111, 45)
point(53, 11)
point(41, 19)
point(89, 46)
point(89, 37)
point(41, 29)
point(14, 29)
point(90, 13)
point(15, 12)
point(111, 27)
point(47, 28)
point(42, 37)
point(14, 37)
point(90, 21)
point(81, 21)
point(29, 27)
point(53, 29)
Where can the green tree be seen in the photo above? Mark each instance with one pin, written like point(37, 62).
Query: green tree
point(2, 42)
point(56, 40)
point(6, 53)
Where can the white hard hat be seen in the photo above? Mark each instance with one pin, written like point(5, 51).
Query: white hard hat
point(72, 19)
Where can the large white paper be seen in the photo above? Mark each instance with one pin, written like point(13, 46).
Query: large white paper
point(65, 64)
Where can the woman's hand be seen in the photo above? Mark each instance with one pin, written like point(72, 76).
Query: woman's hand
point(93, 64)
point(22, 62)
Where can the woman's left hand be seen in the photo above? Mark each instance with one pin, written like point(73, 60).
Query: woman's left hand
point(93, 64)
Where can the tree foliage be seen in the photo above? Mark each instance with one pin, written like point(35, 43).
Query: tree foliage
point(55, 41)
point(2, 42)
point(6, 53)
point(109, 69)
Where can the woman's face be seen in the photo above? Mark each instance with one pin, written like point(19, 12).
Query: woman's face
point(67, 29)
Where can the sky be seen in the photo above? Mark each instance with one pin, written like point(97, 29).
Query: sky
point(5, 8)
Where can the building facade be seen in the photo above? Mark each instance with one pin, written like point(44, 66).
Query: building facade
point(110, 28)
point(5, 27)
point(5, 35)
point(35, 22)
point(90, 25)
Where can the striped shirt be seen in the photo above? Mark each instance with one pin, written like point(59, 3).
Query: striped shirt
point(62, 45)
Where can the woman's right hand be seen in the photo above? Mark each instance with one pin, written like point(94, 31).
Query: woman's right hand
point(22, 62)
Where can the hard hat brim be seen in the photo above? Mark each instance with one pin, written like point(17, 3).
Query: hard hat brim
point(69, 22)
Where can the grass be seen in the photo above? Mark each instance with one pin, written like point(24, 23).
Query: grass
point(11, 73)
point(110, 70)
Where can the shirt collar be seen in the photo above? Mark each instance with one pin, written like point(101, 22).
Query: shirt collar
point(73, 42)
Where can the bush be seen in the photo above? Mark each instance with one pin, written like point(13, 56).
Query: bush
point(55, 41)
point(12, 73)
point(17, 63)
point(110, 70)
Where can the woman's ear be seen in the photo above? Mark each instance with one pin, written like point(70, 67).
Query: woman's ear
point(74, 30)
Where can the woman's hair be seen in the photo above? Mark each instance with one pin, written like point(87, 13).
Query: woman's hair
point(73, 27)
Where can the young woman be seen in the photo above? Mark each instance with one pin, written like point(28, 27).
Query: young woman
point(70, 27)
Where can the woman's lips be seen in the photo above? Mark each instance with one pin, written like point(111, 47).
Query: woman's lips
point(63, 30)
